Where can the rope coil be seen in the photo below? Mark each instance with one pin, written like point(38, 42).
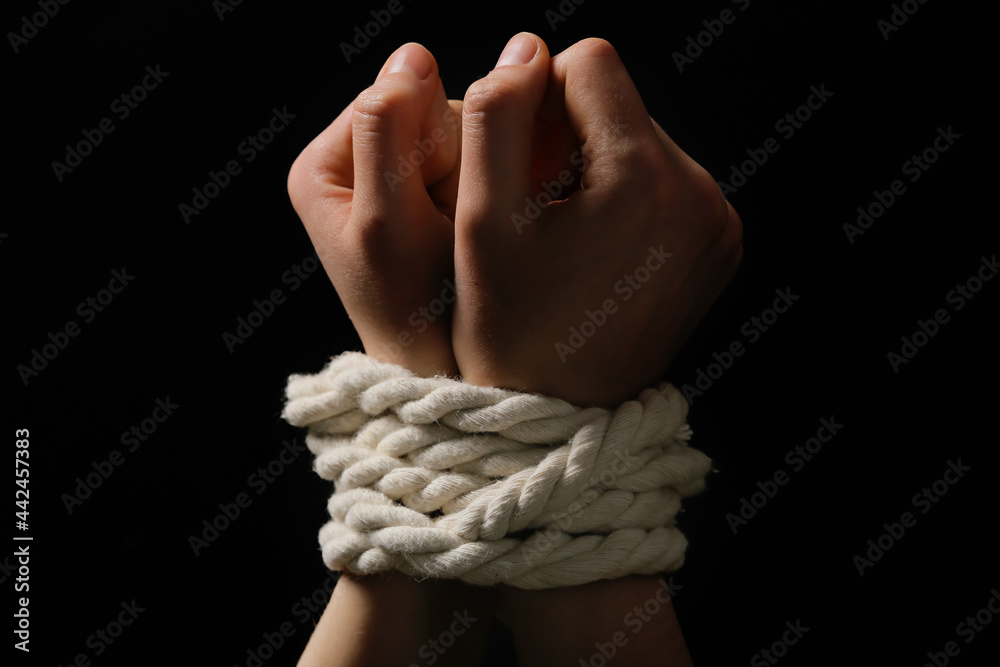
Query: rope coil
point(439, 478)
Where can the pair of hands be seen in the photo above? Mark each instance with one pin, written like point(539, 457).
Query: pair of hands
point(431, 218)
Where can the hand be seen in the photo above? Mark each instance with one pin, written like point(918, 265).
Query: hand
point(631, 257)
point(522, 282)
point(631, 254)
point(376, 192)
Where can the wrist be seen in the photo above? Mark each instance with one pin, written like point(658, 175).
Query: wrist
point(422, 360)
point(580, 387)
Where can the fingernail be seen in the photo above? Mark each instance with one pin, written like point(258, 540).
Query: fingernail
point(519, 50)
point(413, 59)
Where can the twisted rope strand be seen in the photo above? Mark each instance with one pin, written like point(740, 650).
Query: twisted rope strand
point(438, 478)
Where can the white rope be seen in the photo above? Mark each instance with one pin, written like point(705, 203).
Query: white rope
point(438, 478)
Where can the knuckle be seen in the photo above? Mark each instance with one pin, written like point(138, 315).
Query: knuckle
point(593, 47)
point(646, 165)
point(370, 230)
point(712, 208)
point(301, 180)
point(295, 181)
point(490, 95)
point(478, 229)
point(733, 235)
point(381, 105)
point(373, 103)
point(731, 241)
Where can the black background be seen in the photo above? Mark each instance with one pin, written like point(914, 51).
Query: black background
point(824, 358)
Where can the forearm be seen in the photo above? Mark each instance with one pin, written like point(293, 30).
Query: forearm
point(562, 626)
point(392, 619)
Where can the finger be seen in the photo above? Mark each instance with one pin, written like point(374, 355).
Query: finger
point(604, 110)
point(557, 146)
point(444, 193)
point(497, 130)
point(324, 171)
point(440, 136)
point(391, 151)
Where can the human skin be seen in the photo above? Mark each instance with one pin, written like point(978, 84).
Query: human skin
point(390, 244)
